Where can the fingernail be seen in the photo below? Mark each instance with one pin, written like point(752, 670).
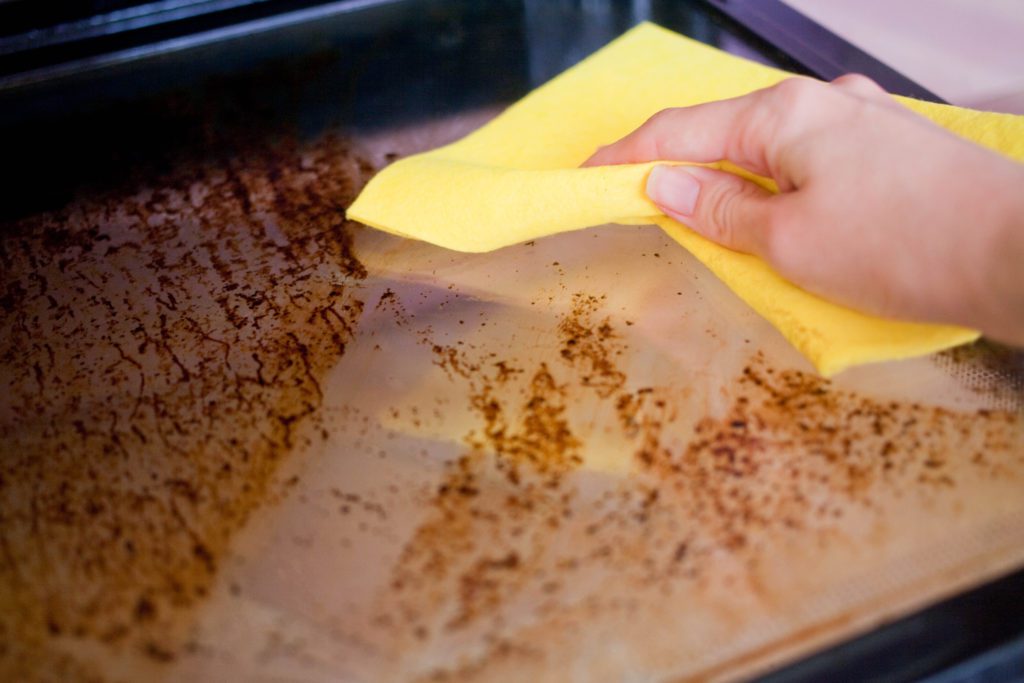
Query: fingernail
point(673, 188)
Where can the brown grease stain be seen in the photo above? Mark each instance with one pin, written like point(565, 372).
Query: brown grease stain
point(591, 346)
point(513, 477)
point(530, 447)
point(164, 342)
point(823, 450)
point(790, 455)
point(147, 417)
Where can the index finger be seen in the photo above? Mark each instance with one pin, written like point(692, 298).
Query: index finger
point(737, 130)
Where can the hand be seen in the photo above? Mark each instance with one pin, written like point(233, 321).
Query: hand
point(878, 208)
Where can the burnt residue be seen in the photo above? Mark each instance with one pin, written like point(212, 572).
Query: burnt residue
point(389, 301)
point(163, 347)
point(542, 441)
point(164, 351)
point(517, 459)
point(591, 345)
point(83, 137)
point(794, 452)
point(512, 490)
point(790, 455)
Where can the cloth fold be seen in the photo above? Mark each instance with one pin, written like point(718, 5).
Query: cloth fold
point(517, 179)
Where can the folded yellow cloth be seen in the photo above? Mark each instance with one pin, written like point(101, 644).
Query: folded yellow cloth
point(516, 179)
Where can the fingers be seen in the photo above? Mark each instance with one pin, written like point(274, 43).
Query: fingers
point(720, 206)
point(702, 133)
point(865, 88)
point(862, 86)
point(751, 131)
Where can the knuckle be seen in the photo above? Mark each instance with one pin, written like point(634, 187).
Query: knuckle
point(660, 115)
point(858, 81)
point(793, 93)
point(661, 118)
point(800, 101)
point(719, 214)
point(802, 104)
point(761, 124)
point(860, 86)
point(788, 109)
point(656, 137)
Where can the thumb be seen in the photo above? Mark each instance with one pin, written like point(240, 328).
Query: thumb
point(720, 206)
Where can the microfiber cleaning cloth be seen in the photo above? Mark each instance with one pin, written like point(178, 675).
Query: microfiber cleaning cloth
point(517, 179)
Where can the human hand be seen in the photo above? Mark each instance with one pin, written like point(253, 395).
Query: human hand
point(878, 208)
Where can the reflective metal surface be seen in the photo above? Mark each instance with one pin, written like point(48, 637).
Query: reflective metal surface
point(244, 438)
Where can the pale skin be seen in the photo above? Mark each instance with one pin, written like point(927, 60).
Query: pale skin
point(878, 208)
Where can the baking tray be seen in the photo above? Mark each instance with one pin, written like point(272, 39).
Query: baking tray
point(245, 438)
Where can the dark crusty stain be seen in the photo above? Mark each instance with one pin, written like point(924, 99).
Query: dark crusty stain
point(165, 344)
point(823, 449)
point(162, 345)
point(509, 490)
point(789, 454)
point(591, 345)
point(528, 445)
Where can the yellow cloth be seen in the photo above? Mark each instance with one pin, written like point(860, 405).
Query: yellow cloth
point(516, 179)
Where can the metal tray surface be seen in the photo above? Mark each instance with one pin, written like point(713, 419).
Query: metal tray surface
point(245, 438)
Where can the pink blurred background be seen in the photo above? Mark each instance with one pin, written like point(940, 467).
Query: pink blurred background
point(970, 52)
